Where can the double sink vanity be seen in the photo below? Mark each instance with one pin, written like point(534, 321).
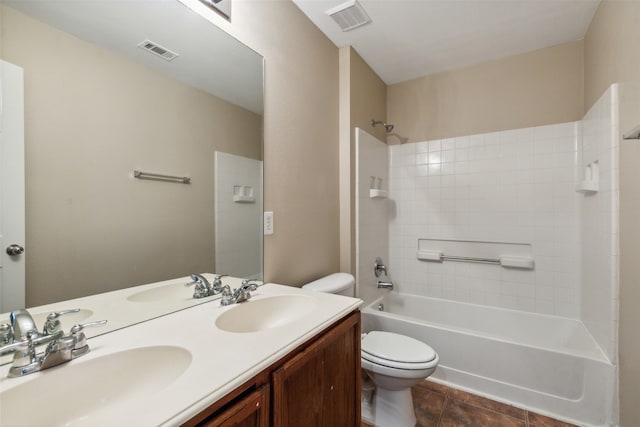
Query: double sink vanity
point(285, 356)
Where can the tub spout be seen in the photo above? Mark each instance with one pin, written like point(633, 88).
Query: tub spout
point(385, 285)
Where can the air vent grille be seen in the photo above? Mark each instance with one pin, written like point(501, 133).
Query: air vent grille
point(158, 50)
point(349, 16)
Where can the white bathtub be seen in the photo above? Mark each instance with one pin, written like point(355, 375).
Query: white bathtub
point(550, 365)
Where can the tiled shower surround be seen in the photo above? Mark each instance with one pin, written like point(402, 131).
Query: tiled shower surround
point(514, 186)
point(511, 186)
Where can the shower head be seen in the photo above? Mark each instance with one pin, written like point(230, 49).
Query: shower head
point(387, 127)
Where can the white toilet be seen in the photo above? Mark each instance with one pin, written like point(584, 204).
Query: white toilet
point(394, 362)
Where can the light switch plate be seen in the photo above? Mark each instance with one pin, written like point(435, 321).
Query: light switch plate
point(268, 223)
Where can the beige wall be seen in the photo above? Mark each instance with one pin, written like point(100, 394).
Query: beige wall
point(363, 97)
point(610, 50)
point(368, 97)
point(90, 226)
point(607, 56)
point(536, 88)
point(300, 140)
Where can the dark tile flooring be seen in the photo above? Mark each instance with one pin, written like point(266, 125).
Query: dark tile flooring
point(437, 405)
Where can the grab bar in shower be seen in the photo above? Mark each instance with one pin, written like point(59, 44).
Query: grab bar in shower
point(513, 262)
point(159, 177)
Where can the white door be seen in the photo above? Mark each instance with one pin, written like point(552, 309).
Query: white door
point(12, 260)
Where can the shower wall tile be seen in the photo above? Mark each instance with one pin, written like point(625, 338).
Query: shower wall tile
point(600, 135)
point(511, 186)
point(372, 232)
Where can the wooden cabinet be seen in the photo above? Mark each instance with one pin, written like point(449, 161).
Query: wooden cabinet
point(250, 411)
point(317, 384)
point(320, 386)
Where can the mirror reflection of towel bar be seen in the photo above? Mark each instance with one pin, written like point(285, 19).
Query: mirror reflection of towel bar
point(159, 177)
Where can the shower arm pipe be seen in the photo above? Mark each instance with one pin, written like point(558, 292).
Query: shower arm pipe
point(387, 127)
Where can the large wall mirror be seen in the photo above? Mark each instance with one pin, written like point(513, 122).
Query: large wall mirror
point(111, 87)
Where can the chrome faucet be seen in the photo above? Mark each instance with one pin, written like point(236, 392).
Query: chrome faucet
point(379, 267)
point(23, 327)
point(6, 335)
point(52, 325)
point(243, 293)
point(385, 285)
point(60, 350)
point(216, 286)
point(203, 287)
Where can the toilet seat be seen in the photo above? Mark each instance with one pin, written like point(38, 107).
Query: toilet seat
point(397, 351)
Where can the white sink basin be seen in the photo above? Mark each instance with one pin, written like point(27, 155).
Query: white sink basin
point(172, 292)
point(84, 392)
point(266, 313)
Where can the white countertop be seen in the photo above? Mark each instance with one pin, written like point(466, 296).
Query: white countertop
point(121, 308)
point(220, 361)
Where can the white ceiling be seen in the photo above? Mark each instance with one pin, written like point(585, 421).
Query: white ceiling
point(413, 38)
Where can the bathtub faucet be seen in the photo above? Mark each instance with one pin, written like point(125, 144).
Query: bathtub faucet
point(385, 285)
point(379, 267)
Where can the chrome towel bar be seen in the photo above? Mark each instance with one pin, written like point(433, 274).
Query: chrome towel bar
point(159, 177)
point(504, 261)
point(469, 259)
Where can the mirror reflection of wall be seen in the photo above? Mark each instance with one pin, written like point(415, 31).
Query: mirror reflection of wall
point(238, 209)
point(92, 117)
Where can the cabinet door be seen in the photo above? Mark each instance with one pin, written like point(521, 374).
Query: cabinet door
point(321, 385)
point(251, 411)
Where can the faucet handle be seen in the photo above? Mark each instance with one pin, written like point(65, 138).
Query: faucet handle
point(379, 267)
point(52, 324)
point(216, 286)
point(6, 334)
point(202, 286)
point(21, 345)
point(76, 329)
point(251, 285)
point(227, 295)
point(80, 346)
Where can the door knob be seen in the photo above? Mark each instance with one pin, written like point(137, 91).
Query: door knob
point(14, 250)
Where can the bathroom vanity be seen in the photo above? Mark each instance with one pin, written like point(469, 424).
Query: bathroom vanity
point(316, 384)
point(286, 357)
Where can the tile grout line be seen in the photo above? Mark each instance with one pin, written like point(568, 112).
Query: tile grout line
point(444, 406)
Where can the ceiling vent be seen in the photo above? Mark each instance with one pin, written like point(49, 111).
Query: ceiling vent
point(349, 15)
point(158, 50)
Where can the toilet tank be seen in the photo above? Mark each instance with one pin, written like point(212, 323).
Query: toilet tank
point(336, 283)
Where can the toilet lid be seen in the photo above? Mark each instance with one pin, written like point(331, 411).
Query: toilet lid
point(396, 348)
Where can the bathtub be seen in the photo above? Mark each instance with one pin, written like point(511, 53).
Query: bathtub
point(550, 365)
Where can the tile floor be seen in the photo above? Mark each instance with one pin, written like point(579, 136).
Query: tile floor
point(437, 405)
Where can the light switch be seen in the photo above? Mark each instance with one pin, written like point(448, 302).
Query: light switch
point(268, 223)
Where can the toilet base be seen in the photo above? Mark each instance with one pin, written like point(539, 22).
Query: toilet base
point(367, 400)
point(390, 408)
